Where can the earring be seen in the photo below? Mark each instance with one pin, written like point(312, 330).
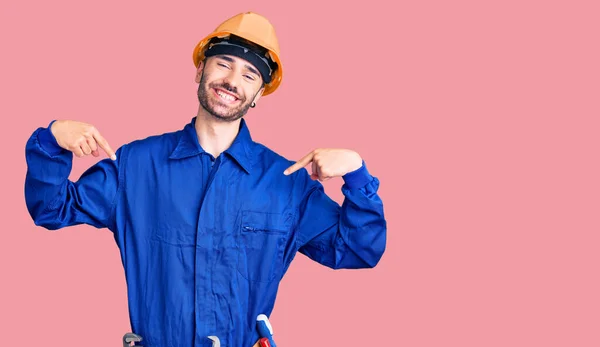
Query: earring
point(253, 105)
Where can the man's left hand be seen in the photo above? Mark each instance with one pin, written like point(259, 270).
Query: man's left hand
point(328, 163)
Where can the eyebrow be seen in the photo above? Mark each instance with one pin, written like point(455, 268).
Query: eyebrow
point(231, 60)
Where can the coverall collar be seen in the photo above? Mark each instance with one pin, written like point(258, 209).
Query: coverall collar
point(240, 150)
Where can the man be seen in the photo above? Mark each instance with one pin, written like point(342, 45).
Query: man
point(207, 221)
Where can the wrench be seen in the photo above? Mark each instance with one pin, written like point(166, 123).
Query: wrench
point(127, 338)
point(265, 329)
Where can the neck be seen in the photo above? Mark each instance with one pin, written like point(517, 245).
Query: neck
point(214, 135)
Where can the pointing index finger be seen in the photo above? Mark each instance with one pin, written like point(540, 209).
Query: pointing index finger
point(300, 164)
point(104, 145)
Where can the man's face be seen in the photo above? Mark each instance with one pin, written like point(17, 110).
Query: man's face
point(227, 86)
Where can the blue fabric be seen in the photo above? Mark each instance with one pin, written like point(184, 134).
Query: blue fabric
point(205, 241)
point(48, 141)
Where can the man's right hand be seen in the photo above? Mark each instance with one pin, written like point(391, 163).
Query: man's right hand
point(80, 138)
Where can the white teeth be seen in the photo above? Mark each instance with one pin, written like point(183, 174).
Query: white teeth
point(225, 96)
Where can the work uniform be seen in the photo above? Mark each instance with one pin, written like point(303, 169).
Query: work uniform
point(205, 241)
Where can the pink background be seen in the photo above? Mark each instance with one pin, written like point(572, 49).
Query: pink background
point(480, 118)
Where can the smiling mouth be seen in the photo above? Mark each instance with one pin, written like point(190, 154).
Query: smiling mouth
point(225, 96)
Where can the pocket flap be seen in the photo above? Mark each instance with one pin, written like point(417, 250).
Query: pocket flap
point(266, 221)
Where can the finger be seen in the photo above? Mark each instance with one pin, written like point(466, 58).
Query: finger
point(299, 164)
point(320, 174)
point(104, 145)
point(324, 174)
point(77, 151)
point(94, 146)
point(85, 148)
point(314, 174)
point(92, 143)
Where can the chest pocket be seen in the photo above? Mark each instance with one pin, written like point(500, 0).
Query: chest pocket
point(262, 237)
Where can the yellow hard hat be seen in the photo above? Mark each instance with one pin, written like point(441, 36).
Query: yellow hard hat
point(254, 28)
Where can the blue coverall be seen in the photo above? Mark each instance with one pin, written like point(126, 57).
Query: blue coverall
point(205, 241)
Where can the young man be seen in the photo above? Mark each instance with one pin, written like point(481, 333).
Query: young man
point(207, 221)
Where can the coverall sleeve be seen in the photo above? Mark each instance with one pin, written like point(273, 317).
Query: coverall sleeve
point(53, 201)
point(349, 236)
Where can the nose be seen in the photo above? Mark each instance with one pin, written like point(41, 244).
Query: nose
point(233, 78)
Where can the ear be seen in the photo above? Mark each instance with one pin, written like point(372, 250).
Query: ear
point(259, 94)
point(199, 71)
